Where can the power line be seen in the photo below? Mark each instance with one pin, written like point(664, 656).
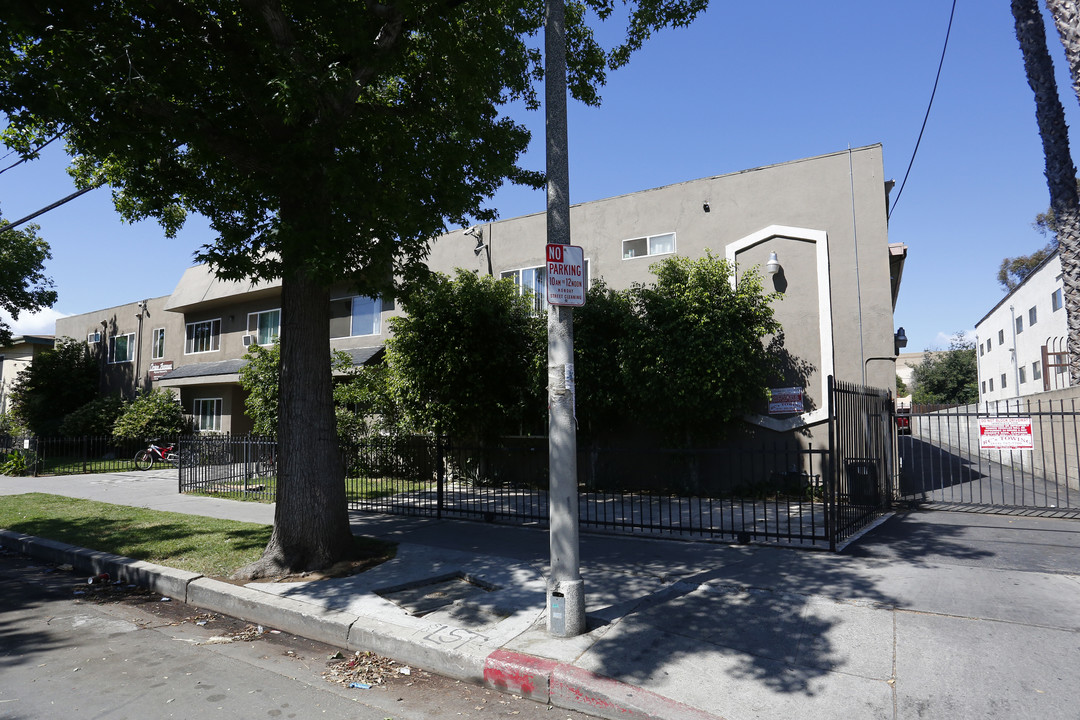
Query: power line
point(926, 117)
point(42, 211)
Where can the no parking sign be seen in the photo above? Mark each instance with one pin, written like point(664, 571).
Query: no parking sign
point(565, 275)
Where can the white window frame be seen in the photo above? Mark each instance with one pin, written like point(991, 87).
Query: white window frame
point(1003, 383)
point(215, 337)
point(1057, 300)
point(197, 412)
point(157, 344)
point(650, 245)
point(376, 302)
point(1033, 316)
point(538, 290)
point(130, 344)
point(1023, 374)
point(1036, 370)
point(254, 333)
point(1019, 324)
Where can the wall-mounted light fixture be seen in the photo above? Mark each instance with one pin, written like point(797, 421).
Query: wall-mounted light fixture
point(899, 340)
point(705, 206)
point(773, 266)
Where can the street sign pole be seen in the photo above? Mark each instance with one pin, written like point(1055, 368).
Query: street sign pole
point(566, 589)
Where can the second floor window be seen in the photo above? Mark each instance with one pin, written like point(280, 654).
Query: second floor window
point(122, 348)
point(651, 245)
point(203, 337)
point(1033, 316)
point(1057, 301)
point(157, 344)
point(264, 327)
point(355, 316)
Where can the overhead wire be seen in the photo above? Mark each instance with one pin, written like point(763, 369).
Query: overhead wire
point(941, 63)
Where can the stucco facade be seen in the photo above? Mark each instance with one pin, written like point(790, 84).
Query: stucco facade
point(16, 357)
point(1011, 337)
point(824, 217)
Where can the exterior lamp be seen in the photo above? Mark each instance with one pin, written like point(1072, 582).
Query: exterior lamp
point(773, 266)
point(900, 340)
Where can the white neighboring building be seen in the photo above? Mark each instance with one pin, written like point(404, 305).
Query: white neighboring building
point(1011, 338)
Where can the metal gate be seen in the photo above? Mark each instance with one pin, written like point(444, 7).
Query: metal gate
point(1009, 456)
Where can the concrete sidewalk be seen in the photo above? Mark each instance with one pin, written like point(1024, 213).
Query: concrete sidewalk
point(932, 615)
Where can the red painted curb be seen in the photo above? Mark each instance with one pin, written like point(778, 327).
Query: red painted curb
point(519, 674)
point(572, 688)
point(576, 689)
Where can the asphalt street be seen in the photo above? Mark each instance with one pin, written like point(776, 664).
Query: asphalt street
point(72, 649)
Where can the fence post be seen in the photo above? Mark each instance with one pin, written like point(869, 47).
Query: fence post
point(831, 483)
point(440, 475)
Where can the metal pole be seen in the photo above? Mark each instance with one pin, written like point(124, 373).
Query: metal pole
point(566, 590)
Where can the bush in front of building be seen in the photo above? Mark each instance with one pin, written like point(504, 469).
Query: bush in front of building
point(156, 414)
point(96, 418)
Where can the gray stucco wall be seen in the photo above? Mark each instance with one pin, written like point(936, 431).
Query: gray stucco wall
point(842, 195)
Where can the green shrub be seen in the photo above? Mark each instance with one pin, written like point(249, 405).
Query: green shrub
point(97, 417)
point(17, 463)
point(157, 414)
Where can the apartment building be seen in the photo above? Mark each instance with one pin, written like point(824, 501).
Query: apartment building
point(1021, 340)
point(816, 228)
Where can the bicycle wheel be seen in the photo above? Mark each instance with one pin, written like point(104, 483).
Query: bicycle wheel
point(144, 460)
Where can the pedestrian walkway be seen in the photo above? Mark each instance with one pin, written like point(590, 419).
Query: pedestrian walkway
point(930, 615)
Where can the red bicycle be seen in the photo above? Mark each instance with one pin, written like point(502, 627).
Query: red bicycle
point(145, 459)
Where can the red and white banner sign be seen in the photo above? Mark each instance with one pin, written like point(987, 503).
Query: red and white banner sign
point(1005, 434)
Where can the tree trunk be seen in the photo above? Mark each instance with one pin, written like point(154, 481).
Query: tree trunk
point(1067, 20)
point(1060, 171)
point(311, 522)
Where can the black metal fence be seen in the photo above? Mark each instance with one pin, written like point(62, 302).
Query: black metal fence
point(1015, 455)
point(862, 437)
point(776, 493)
point(67, 455)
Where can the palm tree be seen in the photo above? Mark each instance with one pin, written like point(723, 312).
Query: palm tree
point(1066, 16)
point(1060, 171)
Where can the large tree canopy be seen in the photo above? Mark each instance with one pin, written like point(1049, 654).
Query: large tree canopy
point(23, 285)
point(325, 140)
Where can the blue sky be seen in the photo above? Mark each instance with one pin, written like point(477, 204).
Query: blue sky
point(750, 84)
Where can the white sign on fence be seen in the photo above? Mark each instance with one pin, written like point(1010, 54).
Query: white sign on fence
point(1005, 434)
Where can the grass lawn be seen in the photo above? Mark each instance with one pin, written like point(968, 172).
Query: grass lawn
point(212, 547)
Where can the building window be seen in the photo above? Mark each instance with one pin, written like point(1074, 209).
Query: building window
point(207, 412)
point(122, 348)
point(1056, 300)
point(984, 387)
point(1002, 381)
point(1033, 317)
point(1019, 325)
point(991, 384)
point(355, 316)
point(651, 245)
point(987, 344)
point(203, 337)
point(1036, 371)
point(532, 283)
point(982, 349)
point(1001, 337)
point(1023, 375)
point(264, 327)
point(93, 338)
point(157, 344)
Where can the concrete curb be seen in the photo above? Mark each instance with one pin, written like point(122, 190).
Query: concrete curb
point(159, 578)
point(573, 688)
point(446, 651)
